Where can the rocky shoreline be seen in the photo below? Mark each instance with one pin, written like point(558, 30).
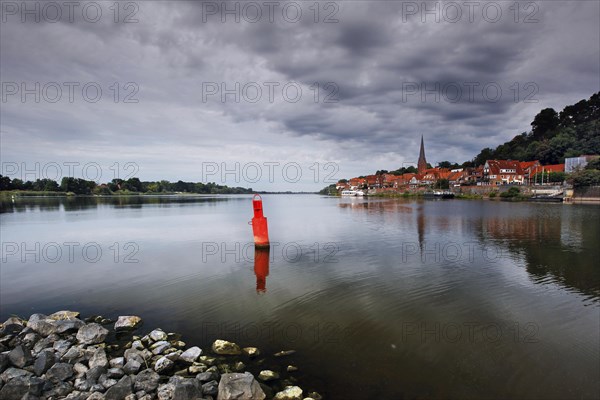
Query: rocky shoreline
point(61, 356)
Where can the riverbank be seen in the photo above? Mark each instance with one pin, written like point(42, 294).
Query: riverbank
point(61, 356)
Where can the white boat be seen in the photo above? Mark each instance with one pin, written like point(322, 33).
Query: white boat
point(352, 193)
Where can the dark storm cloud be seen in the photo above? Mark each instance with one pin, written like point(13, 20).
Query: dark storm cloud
point(395, 78)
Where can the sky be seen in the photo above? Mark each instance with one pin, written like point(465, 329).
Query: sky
point(278, 95)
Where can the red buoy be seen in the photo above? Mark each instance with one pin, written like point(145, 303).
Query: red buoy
point(259, 223)
point(261, 268)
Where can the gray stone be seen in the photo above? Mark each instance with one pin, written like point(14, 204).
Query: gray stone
point(147, 380)
point(20, 356)
point(132, 354)
point(165, 392)
point(160, 347)
point(82, 384)
point(158, 335)
point(268, 375)
point(137, 345)
point(60, 389)
point(210, 388)
point(117, 362)
point(60, 372)
point(239, 386)
point(191, 354)
point(61, 347)
point(80, 369)
point(132, 366)
point(41, 345)
point(284, 353)
point(208, 376)
point(31, 339)
point(289, 393)
point(36, 317)
point(44, 327)
point(127, 322)
point(188, 389)
point(64, 315)
point(4, 361)
point(163, 364)
point(15, 389)
point(115, 373)
point(73, 355)
point(36, 386)
point(106, 381)
point(12, 325)
point(66, 326)
point(98, 359)
point(251, 351)
point(223, 347)
point(120, 390)
point(12, 373)
point(45, 360)
point(91, 334)
point(94, 373)
point(96, 396)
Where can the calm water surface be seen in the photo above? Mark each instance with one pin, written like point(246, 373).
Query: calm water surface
point(382, 299)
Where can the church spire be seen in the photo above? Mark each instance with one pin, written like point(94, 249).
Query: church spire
point(422, 164)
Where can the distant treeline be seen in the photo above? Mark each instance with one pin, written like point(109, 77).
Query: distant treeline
point(117, 186)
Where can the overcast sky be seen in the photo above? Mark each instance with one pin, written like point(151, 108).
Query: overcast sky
point(335, 90)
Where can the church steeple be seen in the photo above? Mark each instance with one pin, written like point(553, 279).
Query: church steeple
point(422, 164)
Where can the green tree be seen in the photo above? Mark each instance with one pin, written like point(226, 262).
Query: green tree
point(546, 121)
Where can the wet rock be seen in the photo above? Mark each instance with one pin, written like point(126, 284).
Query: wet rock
point(96, 396)
point(158, 335)
point(43, 362)
point(251, 351)
point(223, 347)
point(137, 345)
point(239, 386)
point(67, 326)
point(289, 393)
point(268, 375)
point(127, 322)
point(132, 366)
point(163, 365)
point(239, 366)
point(291, 368)
point(64, 315)
point(120, 390)
point(187, 389)
point(91, 334)
point(160, 347)
point(98, 359)
point(43, 327)
point(11, 326)
point(315, 395)
point(20, 356)
point(210, 388)
point(284, 353)
point(147, 380)
point(60, 372)
point(191, 354)
point(196, 369)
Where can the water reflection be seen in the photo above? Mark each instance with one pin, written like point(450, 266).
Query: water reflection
point(261, 268)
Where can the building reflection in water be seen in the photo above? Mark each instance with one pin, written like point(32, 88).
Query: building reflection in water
point(261, 268)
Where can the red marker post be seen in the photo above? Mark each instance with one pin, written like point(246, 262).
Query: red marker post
point(259, 224)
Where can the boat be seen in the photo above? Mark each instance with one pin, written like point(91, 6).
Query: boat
point(439, 194)
point(355, 193)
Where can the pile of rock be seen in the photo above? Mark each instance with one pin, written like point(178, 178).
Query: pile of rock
point(59, 356)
